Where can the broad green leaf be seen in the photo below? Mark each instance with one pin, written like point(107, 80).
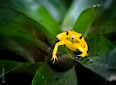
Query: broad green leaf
point(75, 10)
point(101, 57)
point(9, 66)
point(47, 76)
point(36, 12)
point(105, 22)
point(84, 21)
point(21, 34)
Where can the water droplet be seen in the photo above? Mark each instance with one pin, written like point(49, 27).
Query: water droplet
point(96, 5)
point(42, 77)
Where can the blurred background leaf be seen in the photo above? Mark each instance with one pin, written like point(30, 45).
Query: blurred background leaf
point(21, 37)
point(37, 12)
point(57, 8)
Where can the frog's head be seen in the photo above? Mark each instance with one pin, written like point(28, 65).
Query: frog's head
point(74, 36)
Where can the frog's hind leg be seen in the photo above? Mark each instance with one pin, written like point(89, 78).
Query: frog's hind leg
point(84, 52)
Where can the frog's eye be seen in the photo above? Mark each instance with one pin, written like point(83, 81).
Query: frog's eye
point(67, 32)
point(80, 37)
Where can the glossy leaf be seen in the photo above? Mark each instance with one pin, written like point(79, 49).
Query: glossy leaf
point(85, 20)
point(36, 12)
point(75, 10)
point(47, 76)
point(101, 57)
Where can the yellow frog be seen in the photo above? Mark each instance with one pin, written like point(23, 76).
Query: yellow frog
point(73, 41)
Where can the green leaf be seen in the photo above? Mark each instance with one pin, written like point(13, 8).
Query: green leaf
point(105, 22)
point(75, 10)
point(36, 12)
point(84, 21)
point(101, 57)
point(47, 76)
point(9, 66)
point(56, 8)
point(21, 34)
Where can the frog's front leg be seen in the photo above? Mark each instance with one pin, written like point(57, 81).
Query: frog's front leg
point(84, 52)
point(54, 57)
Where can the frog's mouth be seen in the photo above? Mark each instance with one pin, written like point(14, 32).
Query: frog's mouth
point(75, 40)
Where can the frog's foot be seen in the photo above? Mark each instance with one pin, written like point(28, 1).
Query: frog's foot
point(77, 57)
point(54, 58)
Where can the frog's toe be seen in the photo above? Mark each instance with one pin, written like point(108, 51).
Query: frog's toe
point(78, 57)
point(54, 59)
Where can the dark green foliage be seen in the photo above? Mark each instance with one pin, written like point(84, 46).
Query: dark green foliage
point(27, 36)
